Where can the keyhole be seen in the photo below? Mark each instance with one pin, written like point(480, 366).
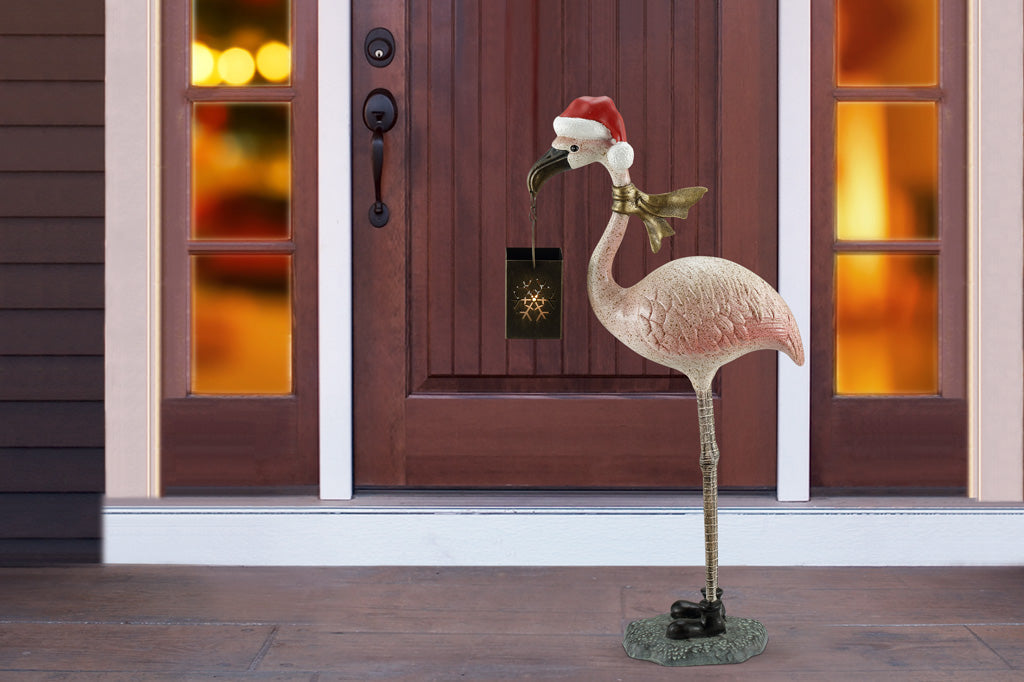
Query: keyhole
point(379, 53)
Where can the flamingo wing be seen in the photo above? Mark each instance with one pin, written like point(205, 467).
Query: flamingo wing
point(711, 309)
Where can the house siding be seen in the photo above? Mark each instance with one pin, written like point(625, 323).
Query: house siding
point(51, 280)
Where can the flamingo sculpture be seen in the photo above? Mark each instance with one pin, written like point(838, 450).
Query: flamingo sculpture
point(691, 314)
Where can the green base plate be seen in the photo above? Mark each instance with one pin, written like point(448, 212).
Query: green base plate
point(743, 638)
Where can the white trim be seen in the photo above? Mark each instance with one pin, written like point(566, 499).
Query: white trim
point(335, 250)
point(794, 383)
point(997, 251)
point(131, 263)
point(558, 536)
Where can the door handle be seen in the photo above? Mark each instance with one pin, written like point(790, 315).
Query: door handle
point(379, 115)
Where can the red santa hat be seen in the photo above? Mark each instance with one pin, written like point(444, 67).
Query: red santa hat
point(596, 118)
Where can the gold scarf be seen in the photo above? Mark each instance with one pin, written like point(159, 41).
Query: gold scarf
point(654, 208)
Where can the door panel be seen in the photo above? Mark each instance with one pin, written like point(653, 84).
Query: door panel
point(442, 399)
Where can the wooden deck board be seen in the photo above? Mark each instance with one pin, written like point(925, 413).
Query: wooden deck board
point(90, 623)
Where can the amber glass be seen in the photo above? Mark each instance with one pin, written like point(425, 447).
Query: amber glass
point(241, 324)
point(241, 42)
point(886, 171)
point(241, 170)
point(887, 42)
point(886, 324)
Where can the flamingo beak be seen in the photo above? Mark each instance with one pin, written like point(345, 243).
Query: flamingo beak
point(555, 161)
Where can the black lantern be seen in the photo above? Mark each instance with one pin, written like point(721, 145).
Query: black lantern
point(533, 293)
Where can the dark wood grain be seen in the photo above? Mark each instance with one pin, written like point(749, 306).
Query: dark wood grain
point(69, 286)
point(51, 424)
point(46, 195)
point(747, 195)
point(525, 141)
point(433, 127)
point(51, 551)
point(51, 378)
point(51, 332)
point(399, 623)
point(51, 240)
point(51, 103)
point(379, 302)
point(51, 280)
point(51, 148)
point(50, 515)
point(225, 442)
point(161, 648)
point(495, 189)
point(51, 58)
point(48, 470)
point(470, 162)
point(52, 17)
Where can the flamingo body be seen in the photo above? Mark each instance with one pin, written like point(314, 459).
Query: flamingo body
point(696, 314)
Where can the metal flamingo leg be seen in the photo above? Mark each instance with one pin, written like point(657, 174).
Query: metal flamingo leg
point(709, 468)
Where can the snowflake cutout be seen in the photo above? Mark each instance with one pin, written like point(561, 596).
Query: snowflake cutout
point(533, 298)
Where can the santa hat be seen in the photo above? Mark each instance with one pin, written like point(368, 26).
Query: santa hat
point(596, 118)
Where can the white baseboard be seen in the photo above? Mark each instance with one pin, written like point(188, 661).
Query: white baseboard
point(558, 536)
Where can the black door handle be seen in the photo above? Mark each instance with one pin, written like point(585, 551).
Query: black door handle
point(379, 115)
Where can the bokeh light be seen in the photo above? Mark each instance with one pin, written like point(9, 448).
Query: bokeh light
point(236, 66)
point(262, 28)
point(274, 61)
point(204, 65)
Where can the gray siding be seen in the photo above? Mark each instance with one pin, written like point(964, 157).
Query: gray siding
point(51, 280)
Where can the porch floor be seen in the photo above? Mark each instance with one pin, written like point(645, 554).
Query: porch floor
point(119, 623)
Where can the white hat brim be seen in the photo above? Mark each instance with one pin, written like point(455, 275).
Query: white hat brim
point(581, 128)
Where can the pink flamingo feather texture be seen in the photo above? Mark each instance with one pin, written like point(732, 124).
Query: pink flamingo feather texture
point(692, 314)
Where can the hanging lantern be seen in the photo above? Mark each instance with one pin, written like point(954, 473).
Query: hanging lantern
point(533, 293)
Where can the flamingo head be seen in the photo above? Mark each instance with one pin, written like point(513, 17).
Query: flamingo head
point(570, 153)
point(589, 130)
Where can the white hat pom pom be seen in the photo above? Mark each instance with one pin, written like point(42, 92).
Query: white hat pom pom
point(620, 156)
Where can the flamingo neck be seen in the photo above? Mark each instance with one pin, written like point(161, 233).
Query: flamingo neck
point(601, 285)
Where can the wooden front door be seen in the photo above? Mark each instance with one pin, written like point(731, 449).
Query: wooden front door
point(442, 399)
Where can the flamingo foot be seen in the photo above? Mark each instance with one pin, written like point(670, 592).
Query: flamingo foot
point(709, 621)
point(691, 609)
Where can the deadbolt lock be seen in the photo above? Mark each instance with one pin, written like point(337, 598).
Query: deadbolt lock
point(379, 47)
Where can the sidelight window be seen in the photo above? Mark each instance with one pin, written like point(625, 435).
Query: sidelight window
point(888, 244)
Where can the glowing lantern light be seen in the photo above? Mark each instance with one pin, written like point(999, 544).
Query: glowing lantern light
point(274, 61)
point(533, 291)
point(236, 66)
point(204, 61)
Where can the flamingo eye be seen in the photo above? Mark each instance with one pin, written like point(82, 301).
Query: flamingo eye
point(574, 148)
